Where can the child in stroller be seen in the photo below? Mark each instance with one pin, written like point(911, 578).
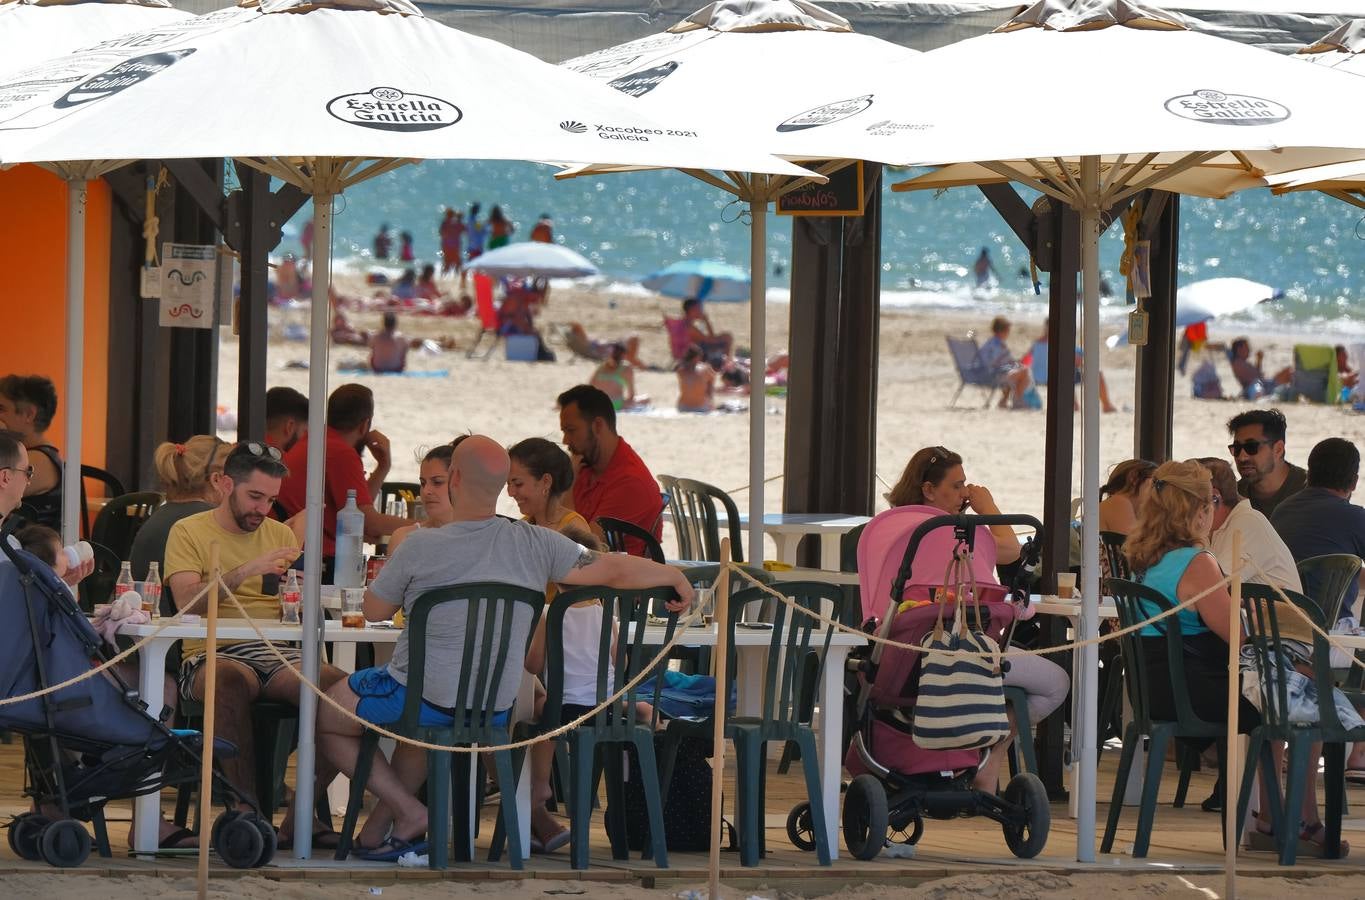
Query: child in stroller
point(93, 741)
point(897, 783)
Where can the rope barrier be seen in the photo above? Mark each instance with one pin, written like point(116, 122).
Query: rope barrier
point(664, 651)
point(1279, 591)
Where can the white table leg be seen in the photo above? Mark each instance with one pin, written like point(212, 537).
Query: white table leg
point(151, 685)
point(786, 547)
point(830, 740)
point(831, 551)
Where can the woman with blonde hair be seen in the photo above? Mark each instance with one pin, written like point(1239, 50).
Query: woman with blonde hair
point(189, 475)
point(1121, 495)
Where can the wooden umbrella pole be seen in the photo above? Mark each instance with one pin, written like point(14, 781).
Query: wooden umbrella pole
point(210, 696)
point(1231, 781)
point(721, 657)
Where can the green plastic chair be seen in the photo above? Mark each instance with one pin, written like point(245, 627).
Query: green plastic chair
point(489, 614)
point(696, 521)
point(616, 531)
point(1127, 596)
point(1111, 678)
point(1328, 579)
point(121, 519)
point(1263, 620)
point(780, 718)
point(624, 617)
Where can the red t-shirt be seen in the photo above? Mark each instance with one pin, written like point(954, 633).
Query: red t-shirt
point(626, 490)
point(343, 471)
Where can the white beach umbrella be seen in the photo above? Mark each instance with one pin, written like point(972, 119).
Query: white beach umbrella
point(32, 31)
point(731, 64)
point(1193, 101)
point(373, 84)
point(1201, 301)
point(533, 259)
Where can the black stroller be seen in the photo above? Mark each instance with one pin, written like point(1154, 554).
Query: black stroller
point(94, 741)
point(897, 783)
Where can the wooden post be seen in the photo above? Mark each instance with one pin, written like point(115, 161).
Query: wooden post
point(210, 696)
point(721, 618)
point(1232, 782)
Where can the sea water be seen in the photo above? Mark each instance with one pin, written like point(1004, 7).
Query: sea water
point(1308, 245)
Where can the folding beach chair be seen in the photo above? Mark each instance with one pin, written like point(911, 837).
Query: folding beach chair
point(487, 313)
point(1315, 373)
point(971, 369)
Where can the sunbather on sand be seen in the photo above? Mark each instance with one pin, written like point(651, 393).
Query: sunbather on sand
point(616, 378)
point(696, 383)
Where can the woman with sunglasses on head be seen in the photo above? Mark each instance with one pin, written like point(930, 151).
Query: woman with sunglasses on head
point(935, 480)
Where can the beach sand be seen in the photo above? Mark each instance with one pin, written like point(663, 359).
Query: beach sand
point(1002, 449)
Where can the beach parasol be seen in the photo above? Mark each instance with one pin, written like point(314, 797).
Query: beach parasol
point(32, 31)
point(731, 64)
point(1200, 301)
point(708, 280)
point(1198, 102)
point(533, 259)
point(368, 101)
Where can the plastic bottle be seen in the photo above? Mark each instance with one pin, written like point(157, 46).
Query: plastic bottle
point(125, 579)
point(349, 570)
point(151, 591)
point(289, 599)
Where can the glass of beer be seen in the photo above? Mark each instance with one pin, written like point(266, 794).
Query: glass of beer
point(352, 607)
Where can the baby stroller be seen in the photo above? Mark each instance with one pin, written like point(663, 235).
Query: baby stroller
point(897, 783)
point(94, 741)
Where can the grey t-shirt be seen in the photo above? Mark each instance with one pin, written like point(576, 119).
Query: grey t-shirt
point(494, 549)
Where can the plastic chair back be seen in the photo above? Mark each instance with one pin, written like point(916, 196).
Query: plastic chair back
point(1265, 614)
point(121, 518)
point(791, 640)
point(98, 586)
point(625, 614)
point(1111, 551)
point(489, 655)
point(112, 488)
point(696, 521)
point(616, 531)
point(1329, 580)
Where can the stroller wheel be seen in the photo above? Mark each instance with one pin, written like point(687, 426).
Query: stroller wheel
point(1027, 793)
point(239, 842)
point(800, 830)
point(24, 834)
point(270, 841)
point(65, 843)
point(915, 830)
point(865, 817)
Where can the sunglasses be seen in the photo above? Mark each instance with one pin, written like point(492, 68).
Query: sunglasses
point(213, 454)
point(256, 448)
point(26, 471)
point(1250, 448)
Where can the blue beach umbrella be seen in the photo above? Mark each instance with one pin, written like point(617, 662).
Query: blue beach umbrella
point(701, 279)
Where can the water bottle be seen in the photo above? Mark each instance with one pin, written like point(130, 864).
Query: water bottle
point(151, 591)
point(289, 599)
point(125, 579)
point(349, 570)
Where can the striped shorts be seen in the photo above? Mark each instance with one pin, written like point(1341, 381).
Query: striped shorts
point(255, 655)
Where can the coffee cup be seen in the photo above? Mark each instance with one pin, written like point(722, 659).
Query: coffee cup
point(1066, 585)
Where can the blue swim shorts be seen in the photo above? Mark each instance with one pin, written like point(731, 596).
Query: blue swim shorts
point(382, 699)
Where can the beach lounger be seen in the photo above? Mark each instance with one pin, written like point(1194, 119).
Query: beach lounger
point(1315, 373)
point(971, 369)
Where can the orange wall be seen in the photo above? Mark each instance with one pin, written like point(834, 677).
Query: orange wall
point(33, 293)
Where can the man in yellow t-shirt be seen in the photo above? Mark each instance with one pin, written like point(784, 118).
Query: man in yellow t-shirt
point(254, 551)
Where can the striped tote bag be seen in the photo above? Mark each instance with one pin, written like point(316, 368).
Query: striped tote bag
point(960, 704)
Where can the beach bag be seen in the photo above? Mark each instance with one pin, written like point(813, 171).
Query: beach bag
point(687, 811)
point(960, 703)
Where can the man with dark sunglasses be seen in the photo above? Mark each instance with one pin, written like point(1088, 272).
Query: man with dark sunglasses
point(1257, 450)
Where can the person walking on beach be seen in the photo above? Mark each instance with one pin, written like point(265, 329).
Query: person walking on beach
point(984, 269)
point(406, 252)
point(383, 243)
point(451, 230)
point(544, 232)
point(499, 229)
point(477, 231)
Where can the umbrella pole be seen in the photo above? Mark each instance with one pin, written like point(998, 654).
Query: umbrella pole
point(720, 711)
point(319, 337)
point(75, 358)
point(1090, 519)
point(211, 597)
point(758, 290)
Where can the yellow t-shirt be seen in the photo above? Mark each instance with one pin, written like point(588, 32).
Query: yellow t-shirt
point(187, 550)
point(569, 519)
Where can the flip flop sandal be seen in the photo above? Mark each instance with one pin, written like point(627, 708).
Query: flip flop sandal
point(1312, 842)
point(394, 847)
point(172, 840)
point(1355, 776)
point(559, 839)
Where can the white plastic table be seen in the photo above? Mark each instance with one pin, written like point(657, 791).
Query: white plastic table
point(751, 646)
point(787, 529)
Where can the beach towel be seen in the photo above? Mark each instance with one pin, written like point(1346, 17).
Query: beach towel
point(411, 373)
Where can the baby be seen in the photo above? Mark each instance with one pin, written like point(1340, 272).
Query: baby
point(45, 544)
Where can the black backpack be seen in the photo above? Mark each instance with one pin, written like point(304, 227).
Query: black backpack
point(687, 812)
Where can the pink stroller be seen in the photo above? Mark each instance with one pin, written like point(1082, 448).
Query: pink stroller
point(902, 555)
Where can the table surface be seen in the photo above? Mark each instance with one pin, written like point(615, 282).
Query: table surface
point(809, 523)
point(1051, 605)
point(237, 629)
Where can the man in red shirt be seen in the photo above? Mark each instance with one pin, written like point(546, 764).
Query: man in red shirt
point(350, 410)
point(611, 479)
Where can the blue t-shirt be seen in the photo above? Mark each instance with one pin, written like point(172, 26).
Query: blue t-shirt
point(996, 356)
point(1315, 522)
point(1164, 578)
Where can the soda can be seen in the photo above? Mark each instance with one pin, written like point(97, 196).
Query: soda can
point(373, 567)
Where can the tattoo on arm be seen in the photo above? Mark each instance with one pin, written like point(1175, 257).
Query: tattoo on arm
point(586, 558)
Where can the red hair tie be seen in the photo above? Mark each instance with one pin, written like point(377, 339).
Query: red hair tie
point(179, 449)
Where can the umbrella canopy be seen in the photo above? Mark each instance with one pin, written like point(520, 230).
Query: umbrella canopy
point(732, 63)
point(701, 279)
point(34, 30)
point(1210, 298)
point(533, 259)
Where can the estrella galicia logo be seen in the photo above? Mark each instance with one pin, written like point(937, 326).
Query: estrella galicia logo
point(827, 114)
point(637, 84)
point(573, 127)
point(389, 109)
point(1227, 109)
point(120, 77)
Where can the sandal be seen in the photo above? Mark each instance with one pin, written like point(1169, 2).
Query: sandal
point(1313, 842)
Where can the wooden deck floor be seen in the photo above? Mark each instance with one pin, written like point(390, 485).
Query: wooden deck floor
point(1186, 840)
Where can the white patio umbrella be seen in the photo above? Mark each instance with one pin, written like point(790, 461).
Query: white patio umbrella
point(1193, 101)
point(368, 99)
point(1209, 298)
point(731, 64)
point(32, 31)
point(533, 259)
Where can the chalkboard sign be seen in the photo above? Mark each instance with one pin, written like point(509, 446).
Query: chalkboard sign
point(842, 195)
